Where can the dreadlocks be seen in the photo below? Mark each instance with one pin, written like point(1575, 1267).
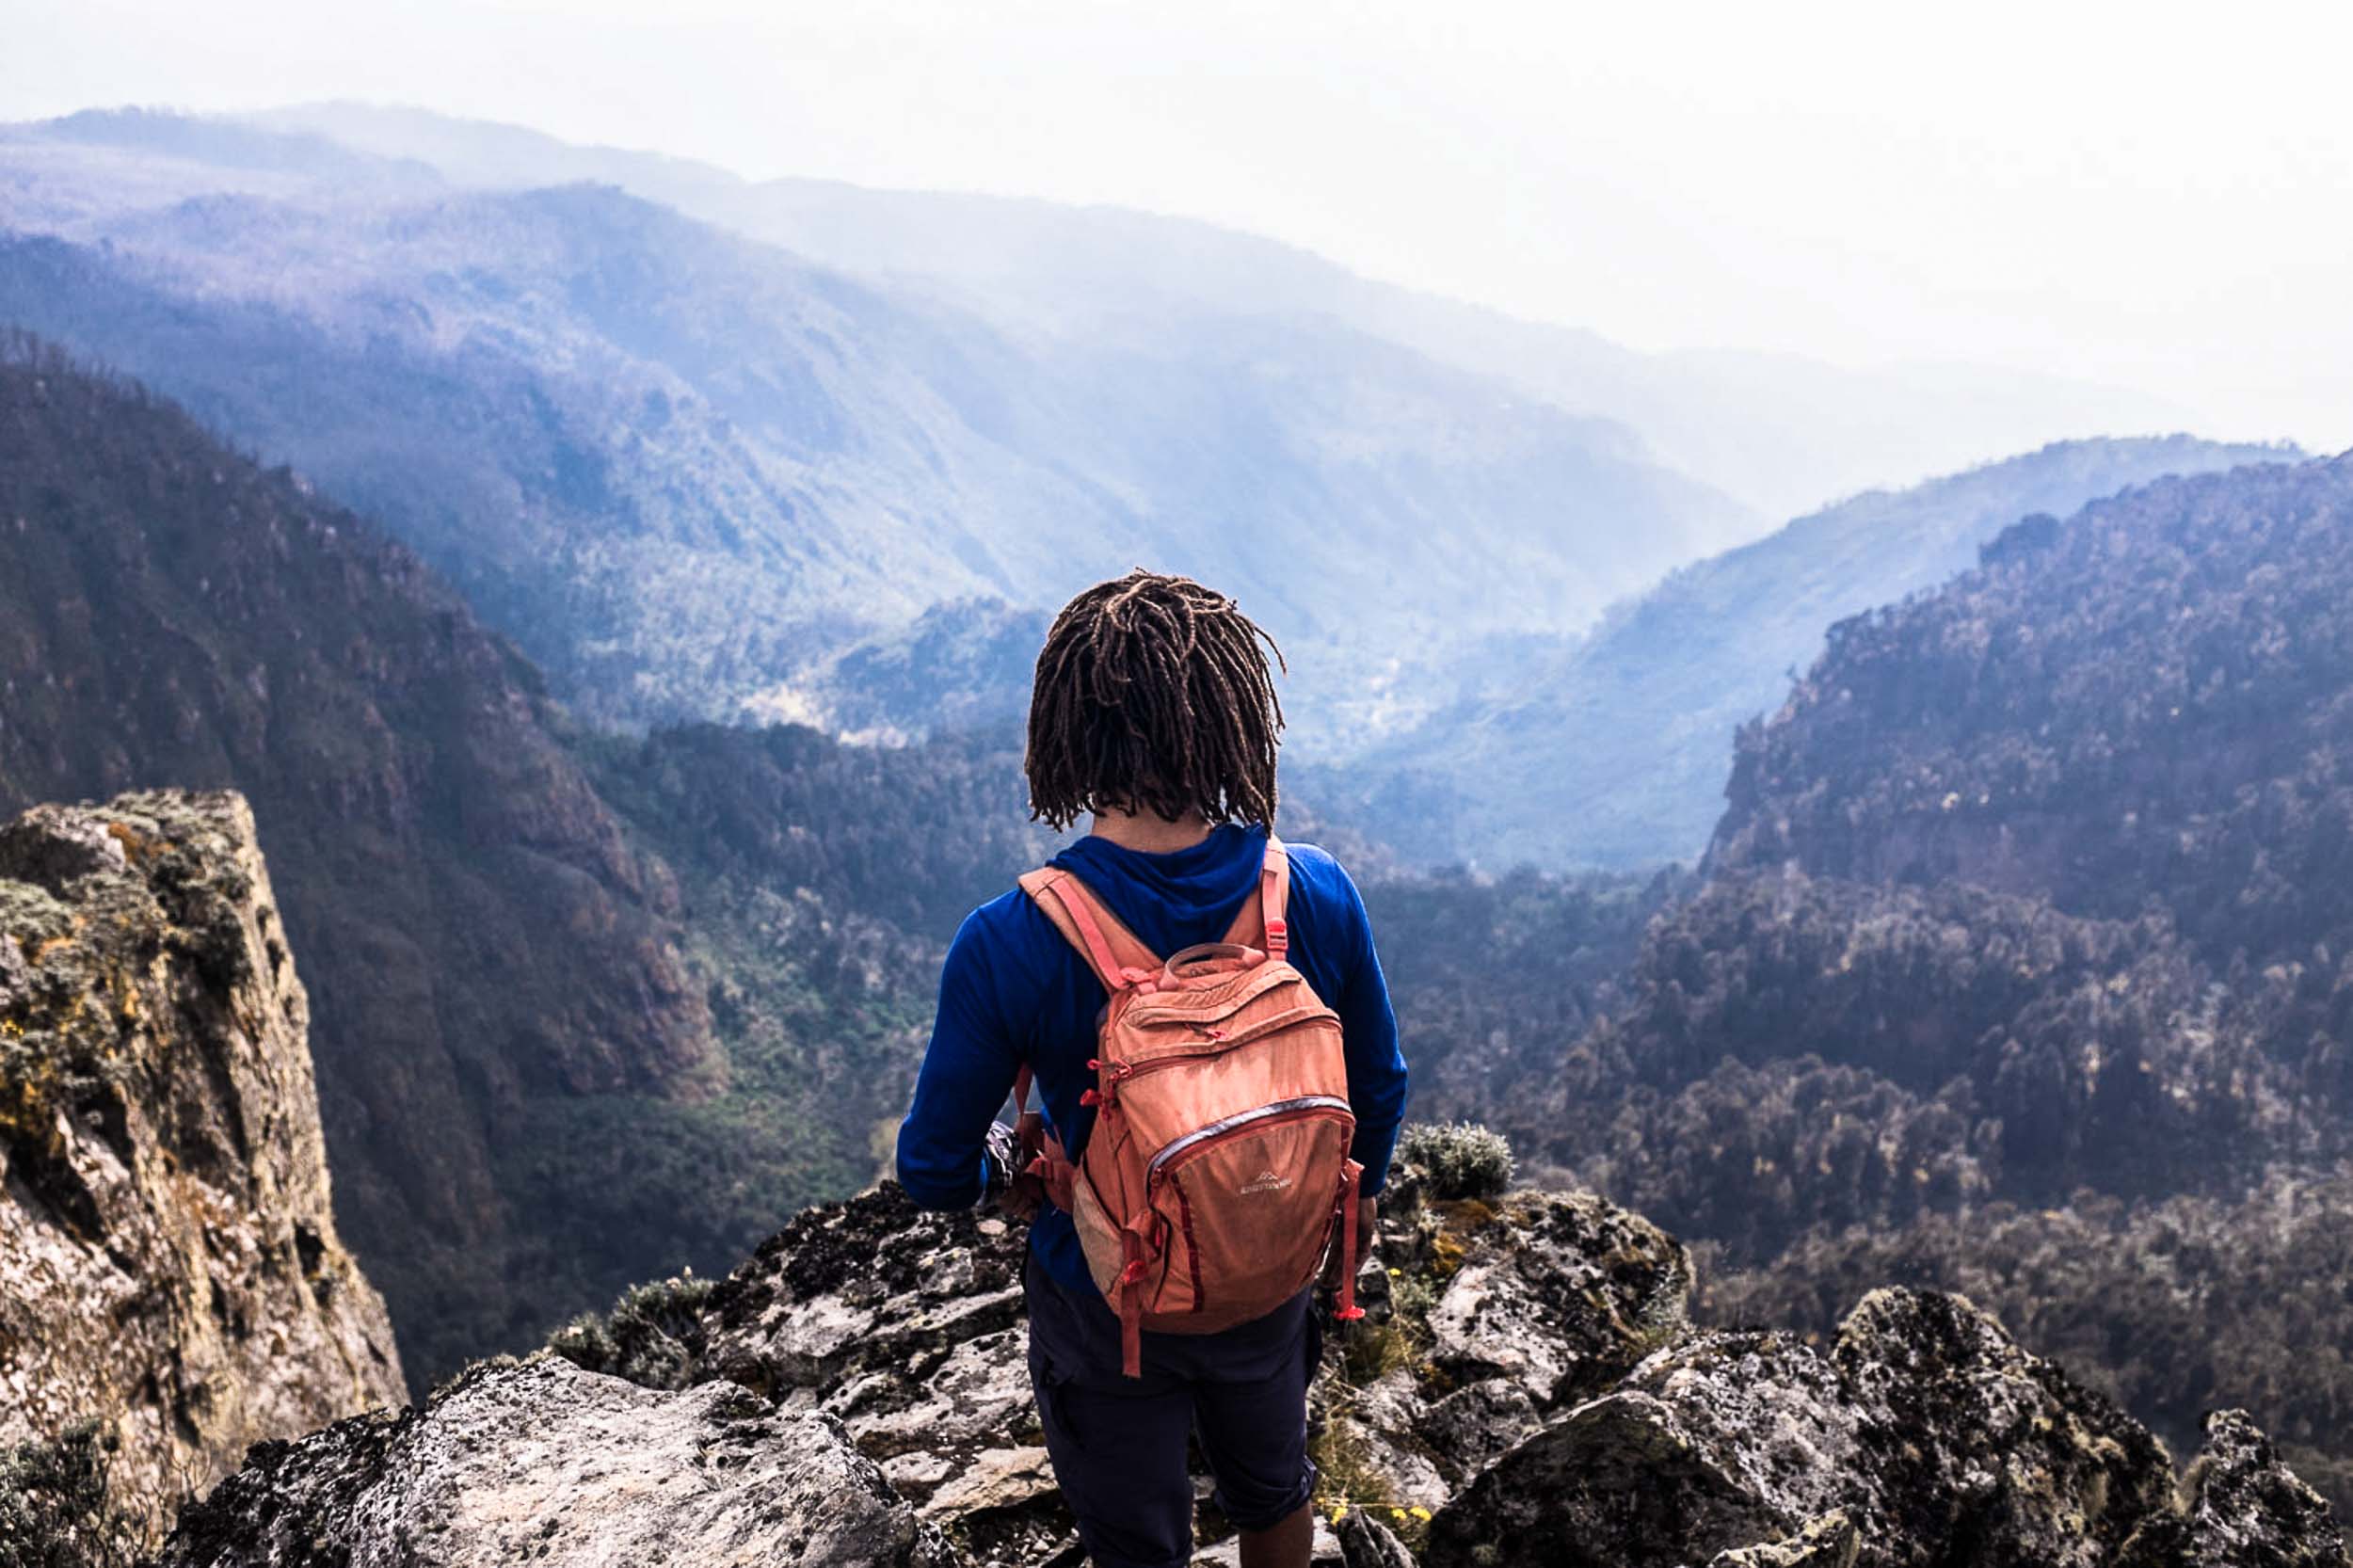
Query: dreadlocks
point(1152, 694)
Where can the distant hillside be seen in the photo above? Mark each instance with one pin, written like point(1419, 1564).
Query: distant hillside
point(2151, 704)
point(1609, 749)
point(574, 1024)
point(2026, 962)
point(1783, 433)
point(682, 468)
point(479, 938)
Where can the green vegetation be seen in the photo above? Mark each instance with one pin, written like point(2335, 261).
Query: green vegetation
point(55, 1512)
point(654, 1335)
point(1458, 1159)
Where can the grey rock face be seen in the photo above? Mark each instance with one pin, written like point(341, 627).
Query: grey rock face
point(2240, 1507)
point(907, 1328)
point(541, 1461)
point(1556, 1292)
point(168, 1260)
point(1925, 1433)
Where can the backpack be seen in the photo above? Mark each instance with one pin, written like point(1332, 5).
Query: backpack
point(1218, 1174)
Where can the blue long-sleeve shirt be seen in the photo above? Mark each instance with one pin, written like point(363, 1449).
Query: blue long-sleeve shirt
point(1014, 991)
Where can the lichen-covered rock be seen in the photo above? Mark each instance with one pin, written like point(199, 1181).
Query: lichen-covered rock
point(1829, 1541)
point(1366, 1543)
point(168, 1260)
point(1482, 1316)
point(2241, 1508)
point(1558, 1292)
point(880, 1349)
point(907, 1326)
point(541, 1461)
point(1936, 1438)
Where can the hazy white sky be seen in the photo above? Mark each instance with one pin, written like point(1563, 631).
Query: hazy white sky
point(2146, 193)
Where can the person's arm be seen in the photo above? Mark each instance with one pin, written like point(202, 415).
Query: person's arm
point(1376, 1065)
point(968, 1073)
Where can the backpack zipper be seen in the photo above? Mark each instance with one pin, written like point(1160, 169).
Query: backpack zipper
point(1304, 1105)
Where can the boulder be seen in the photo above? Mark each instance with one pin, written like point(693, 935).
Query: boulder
point(1557, 1292)
point(1933, 1435)
point(2240, 1507)
point(541, 1461)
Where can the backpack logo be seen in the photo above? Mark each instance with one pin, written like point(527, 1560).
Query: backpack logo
point(1267, 1182)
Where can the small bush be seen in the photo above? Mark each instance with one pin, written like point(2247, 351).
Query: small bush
point(654, 1335)
point(1458, 1159)
point(55, 1511)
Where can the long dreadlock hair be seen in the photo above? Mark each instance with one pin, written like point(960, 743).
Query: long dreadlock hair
point(1152, 694)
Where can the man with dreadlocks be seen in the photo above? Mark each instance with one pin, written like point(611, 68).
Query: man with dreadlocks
point(1155, 715)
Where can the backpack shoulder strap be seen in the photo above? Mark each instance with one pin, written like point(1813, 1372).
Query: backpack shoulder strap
point(1262, 917)
point(1118, 959)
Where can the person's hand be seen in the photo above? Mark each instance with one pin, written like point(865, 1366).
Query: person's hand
point(1007, 1186)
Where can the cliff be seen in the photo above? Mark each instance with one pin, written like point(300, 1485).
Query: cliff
point(1525, 1389)
point(168, 1260)
point(492, 963)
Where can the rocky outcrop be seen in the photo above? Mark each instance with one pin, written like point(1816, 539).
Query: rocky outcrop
point(168, 1260)
point(540, 1461)
point(1525, 1389)
point(1922, 1435)
point(2239, 1505)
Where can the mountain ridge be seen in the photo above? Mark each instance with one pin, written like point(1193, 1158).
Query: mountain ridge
point(1731, 418)
point(1607, 748)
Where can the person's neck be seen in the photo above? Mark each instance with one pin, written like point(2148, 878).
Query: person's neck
point(1149, 832)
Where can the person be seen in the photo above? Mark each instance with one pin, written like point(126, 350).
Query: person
point(1154, 714)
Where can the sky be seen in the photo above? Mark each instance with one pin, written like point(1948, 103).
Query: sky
point(2146, 195)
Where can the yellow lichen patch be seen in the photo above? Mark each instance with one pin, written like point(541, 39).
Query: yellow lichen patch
point(136, 847)
point(1446, 1255)
point(1466, 1214)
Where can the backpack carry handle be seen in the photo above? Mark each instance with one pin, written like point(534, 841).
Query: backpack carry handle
point(1207, 961)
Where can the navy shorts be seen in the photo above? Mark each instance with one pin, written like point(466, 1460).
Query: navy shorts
point(1118, 1443)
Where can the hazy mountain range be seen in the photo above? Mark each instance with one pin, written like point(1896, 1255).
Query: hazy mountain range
point(687, 437)
point(679, 465)
point(1782, 433)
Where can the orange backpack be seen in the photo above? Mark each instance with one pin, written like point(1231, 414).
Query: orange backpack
point(1218, 1173)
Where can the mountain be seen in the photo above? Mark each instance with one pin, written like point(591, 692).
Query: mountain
point(2145, 706)
point(552, 1059)
point(1607, 749)
point(682, 468)
point(486, 950)
point(2021, 965)
point(1783, 433)
point(173, 1288)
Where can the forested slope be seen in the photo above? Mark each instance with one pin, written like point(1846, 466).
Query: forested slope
point(2022, 963)
point(551, 1061)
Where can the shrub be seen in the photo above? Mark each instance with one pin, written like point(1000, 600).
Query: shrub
point(1458, 1159)
point(55, 1511)
point(654, 1335)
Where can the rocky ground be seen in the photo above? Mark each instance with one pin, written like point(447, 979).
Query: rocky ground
point(168, 1264)
point(1525, 1389)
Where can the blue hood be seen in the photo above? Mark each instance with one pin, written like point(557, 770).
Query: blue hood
point(1175, 900)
